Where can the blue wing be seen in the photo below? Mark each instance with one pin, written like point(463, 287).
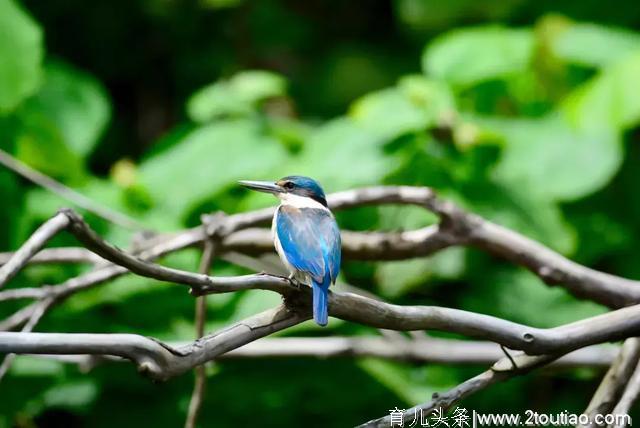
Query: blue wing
point(310, 239)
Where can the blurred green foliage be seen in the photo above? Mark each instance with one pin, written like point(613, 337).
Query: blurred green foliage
point(523, 113)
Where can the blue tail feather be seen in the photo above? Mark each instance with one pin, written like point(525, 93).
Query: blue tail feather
point(320, 304)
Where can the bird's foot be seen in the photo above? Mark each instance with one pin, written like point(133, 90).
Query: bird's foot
point(294, 281)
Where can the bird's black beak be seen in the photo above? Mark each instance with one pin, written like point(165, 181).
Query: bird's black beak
point(262, 186)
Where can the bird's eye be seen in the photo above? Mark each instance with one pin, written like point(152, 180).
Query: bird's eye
point(288, 185)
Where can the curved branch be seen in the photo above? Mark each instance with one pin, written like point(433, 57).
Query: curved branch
point(152, 357)
point(35, 242)
point(57, 255)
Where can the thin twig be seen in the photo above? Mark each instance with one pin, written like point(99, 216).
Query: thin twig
point(57, 255)
point(68, 193)
point(35, 242)
point(36, 316)
point(199, 386)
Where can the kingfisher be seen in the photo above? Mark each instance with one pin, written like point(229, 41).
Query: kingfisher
point(305, 235)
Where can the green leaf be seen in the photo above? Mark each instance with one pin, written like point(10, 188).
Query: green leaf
point(26, 365)
point(594, 45)
point(237, 96)
point(74, 394)
point(61, 124)
point(258, 85)
point(388, 113)
point(550, 159)
point(292, 133)
point(399, 277)
point(205, 162)
point(469, 56)
point(220, 4)
point(411, 384)
point(342, 155)
point(608, 102)
point(40, 145)
point(21, 51)
point(75, 103)
point(417, 103)
point(404, 217)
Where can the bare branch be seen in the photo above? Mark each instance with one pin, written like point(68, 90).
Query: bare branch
point(35, 242)
point(554, 269)
point(206, 261)
point(153, 358)
point(23, 293)
point(68, 193)
point(19, 317)
point(431, 350)
point(559, 340)
point(57, 255)
point(611, 326)
point(35, 318)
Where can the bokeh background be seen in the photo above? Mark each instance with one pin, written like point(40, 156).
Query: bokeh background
point(525, 112)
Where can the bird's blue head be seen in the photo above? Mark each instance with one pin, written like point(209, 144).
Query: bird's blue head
point(293, 184)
